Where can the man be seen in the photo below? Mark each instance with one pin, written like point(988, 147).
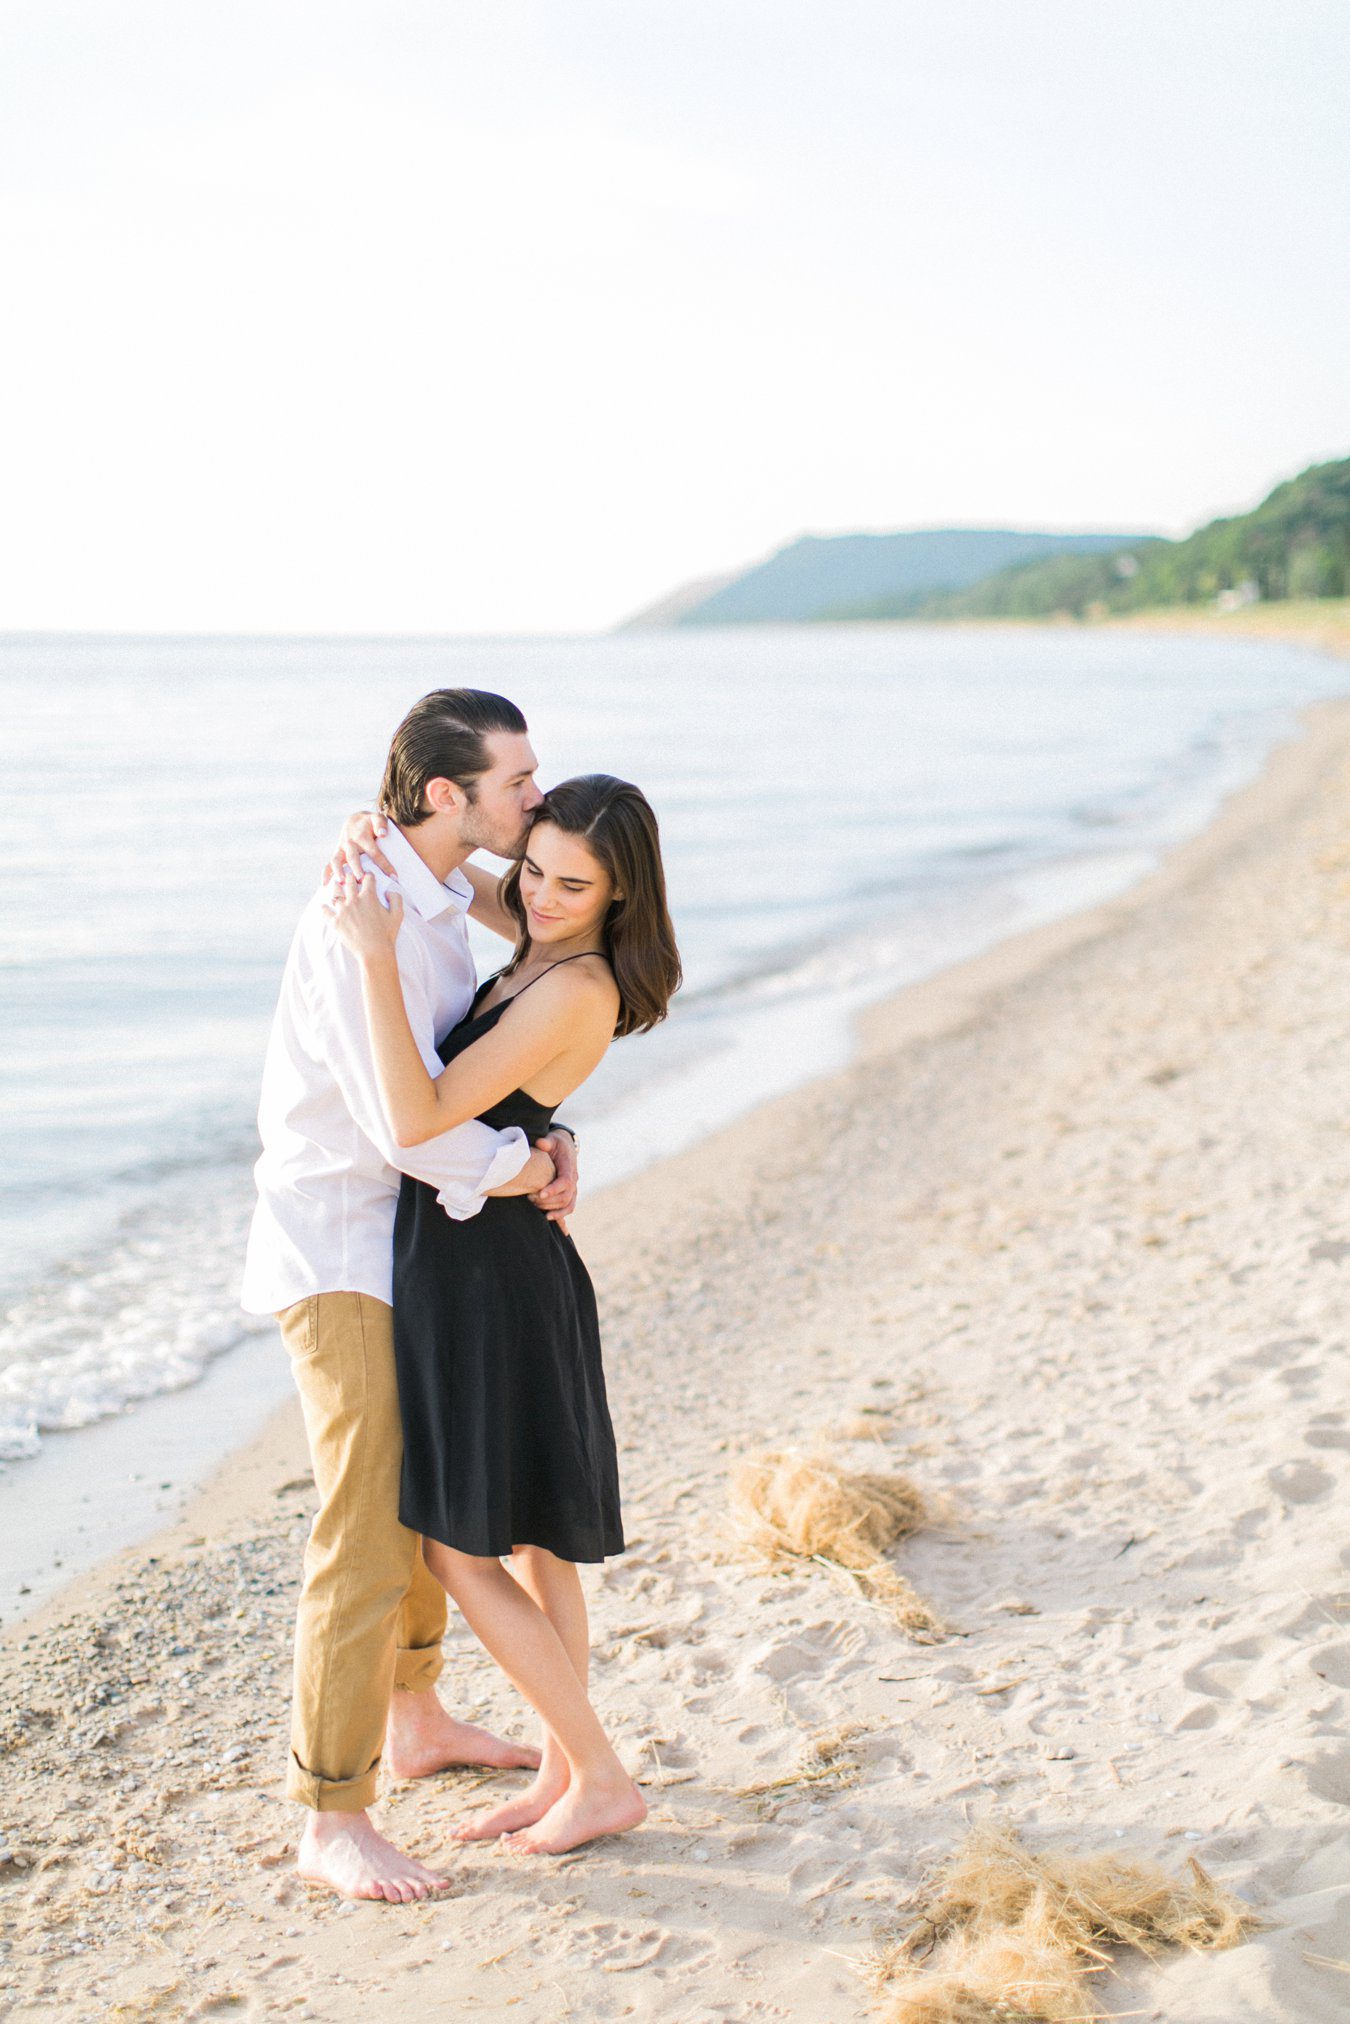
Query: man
point(459, 777)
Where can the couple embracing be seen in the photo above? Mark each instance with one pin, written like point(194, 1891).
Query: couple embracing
point(410, 1235)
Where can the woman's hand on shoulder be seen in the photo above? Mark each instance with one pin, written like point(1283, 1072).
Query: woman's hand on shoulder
point(361, 834)
point(367, 924)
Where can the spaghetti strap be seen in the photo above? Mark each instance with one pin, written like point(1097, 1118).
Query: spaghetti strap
point(544, 973)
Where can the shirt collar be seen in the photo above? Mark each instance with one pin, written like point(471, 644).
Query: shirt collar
point(419, 884)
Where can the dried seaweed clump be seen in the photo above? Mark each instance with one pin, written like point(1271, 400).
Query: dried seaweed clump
point(1007, 1937)
point(828, 1759)
point(790, 1506)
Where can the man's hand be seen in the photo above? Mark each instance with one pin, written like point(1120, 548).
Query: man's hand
point(360, 836)
point(560, 1198)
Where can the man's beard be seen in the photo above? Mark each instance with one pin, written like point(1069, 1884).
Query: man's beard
point(480, 835)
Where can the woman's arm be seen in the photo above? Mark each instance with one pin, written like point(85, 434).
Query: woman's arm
point(538, 1172)
point(546, 1024)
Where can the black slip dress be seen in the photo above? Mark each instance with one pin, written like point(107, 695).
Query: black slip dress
point(507, 1439)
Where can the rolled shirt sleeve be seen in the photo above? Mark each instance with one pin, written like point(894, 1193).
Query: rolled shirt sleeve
point(462, 1164)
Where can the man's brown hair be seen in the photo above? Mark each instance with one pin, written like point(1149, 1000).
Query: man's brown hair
point(443, 737)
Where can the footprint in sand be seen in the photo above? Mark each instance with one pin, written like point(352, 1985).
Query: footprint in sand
point(1319, 1613)
point(1220, 1675)
point(818, 1647)
point(1203, 1717)
point(619, 1950)
point(1301, 1377)
point(1328, 1430)
point(1270, 1355)
point(1328, 1777)
point(1332, 1664)
point(1299, 1482)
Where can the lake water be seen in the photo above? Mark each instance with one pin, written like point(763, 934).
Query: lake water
point(844, 810)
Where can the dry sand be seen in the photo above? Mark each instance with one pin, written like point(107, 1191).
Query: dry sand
point(1068, 1246)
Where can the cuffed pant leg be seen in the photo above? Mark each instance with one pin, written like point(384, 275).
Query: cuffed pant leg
point(359, 1562)
point(421, 1627)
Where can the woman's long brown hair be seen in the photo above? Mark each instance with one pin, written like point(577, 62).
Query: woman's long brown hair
point(616, 822)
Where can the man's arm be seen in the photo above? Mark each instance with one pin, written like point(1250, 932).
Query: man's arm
point(487, 908)
point(463, 1165)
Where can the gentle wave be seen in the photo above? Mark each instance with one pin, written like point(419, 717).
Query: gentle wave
point(145, 1313)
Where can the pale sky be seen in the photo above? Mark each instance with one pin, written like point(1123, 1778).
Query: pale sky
point(508, 315)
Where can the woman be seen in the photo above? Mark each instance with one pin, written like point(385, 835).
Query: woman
point(508, 1446)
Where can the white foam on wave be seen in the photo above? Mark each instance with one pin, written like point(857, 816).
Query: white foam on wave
point(146, 1314)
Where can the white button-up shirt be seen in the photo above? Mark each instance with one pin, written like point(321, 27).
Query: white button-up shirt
point(329, 1175)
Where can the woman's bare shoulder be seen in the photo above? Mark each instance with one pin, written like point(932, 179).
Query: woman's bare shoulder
point(583, 989)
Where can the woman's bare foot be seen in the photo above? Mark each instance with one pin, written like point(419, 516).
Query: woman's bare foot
point(422, 1739)
point(583, 1813)
point(524, 1810)
point(343, 1852)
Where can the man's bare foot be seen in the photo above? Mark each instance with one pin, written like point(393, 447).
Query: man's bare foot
point(422, 1739)
point(584, 1813)
point(343, 1852)
point(522, 1811)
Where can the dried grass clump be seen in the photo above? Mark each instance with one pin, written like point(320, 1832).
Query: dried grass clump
point(1006, 1935)
point(789, 1506)
point(828, 1760)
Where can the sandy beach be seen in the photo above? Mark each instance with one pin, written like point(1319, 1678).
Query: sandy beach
point(1068, 1246)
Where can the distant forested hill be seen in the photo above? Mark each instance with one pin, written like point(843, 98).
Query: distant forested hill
point(1295, 544)
point(847, 575)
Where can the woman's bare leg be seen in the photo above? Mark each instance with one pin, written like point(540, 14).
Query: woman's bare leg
point(556, 1587)
point(600, 1797)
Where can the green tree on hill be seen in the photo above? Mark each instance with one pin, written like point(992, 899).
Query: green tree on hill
point(1295, 544)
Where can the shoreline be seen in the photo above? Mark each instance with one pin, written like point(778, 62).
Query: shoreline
point(94, 1331)
point(1065, 1245)
point(1322, 625)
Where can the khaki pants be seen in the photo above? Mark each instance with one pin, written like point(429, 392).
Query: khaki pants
point(371, 1615)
